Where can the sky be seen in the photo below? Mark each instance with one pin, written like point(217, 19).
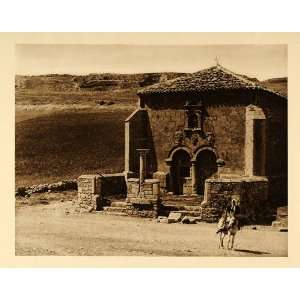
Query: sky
point(260, 61)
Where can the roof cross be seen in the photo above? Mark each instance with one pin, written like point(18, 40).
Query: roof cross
point(217, 61)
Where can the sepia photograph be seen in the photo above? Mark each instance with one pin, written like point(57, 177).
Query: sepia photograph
point(151, 150)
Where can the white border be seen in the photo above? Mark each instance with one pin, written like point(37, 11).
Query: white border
point(246, 284)
point(149, 16)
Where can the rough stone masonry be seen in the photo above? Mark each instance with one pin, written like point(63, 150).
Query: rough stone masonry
point(89, 193)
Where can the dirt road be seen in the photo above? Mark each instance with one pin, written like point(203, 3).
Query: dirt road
point(47, 230)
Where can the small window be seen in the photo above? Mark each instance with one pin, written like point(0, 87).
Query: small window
point(192, 120)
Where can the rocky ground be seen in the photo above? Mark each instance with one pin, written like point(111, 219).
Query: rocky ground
point(45, 225)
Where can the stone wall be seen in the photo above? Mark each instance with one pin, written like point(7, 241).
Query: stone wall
point(146, 193)
point(144, 199)
point(93, 188)
point(227, 123)
point(133, 188)
point(250, 193)
point(164, 123)
point(65, 185)
point(155, 126)
point(89, 193)
point(225, 120)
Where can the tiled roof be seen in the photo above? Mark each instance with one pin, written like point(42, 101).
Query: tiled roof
point(211, 79)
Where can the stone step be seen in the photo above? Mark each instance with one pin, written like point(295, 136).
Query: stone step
point(282, 210)
point(114, 209)
point(280, 224)
point(122, 211)
point(281, 219)
point(182, 207)
point(173, 207)
point(181, 200)
point(119, 204)
point(193, 208)
point(181, 204)
point(190, 213)
point(114, 213)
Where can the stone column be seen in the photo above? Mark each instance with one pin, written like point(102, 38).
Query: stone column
point(171, 181)
point(220, 164)
point(156, 195)
point(143, 154)
point(194, 177)
point(127, 147)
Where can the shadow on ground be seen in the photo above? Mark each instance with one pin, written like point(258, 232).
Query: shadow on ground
point(251, 251)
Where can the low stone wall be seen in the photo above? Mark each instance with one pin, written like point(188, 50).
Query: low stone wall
point(89, 193)
point(144, 199)
point(111, 184)
point(133, 188)
point(146, 193)
point(250, 193)
point(65, 185)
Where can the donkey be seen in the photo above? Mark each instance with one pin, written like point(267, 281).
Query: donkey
point(231, 228)
point(228, 225)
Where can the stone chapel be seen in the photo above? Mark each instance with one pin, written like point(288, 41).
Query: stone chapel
point(210, 134)
point(193, 145)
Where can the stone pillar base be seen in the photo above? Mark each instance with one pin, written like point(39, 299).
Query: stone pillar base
point(89, 193)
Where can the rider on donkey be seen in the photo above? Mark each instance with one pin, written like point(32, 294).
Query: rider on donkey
point(231, 209)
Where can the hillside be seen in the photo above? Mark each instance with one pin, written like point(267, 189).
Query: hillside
point(279, 85)
point(67, 89)
point(66, 144)
point(92, 89)
point(91, 82)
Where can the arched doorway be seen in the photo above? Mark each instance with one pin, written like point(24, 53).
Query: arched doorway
point(180, 172)
point(206, 167)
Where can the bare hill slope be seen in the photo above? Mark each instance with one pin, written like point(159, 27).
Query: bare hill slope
point(91, 82)
point(111, 82)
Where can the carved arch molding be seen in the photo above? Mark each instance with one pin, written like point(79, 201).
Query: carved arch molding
point(193, 140)
point(193, 154)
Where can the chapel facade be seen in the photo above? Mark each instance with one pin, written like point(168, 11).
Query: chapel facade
point(210, 133)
